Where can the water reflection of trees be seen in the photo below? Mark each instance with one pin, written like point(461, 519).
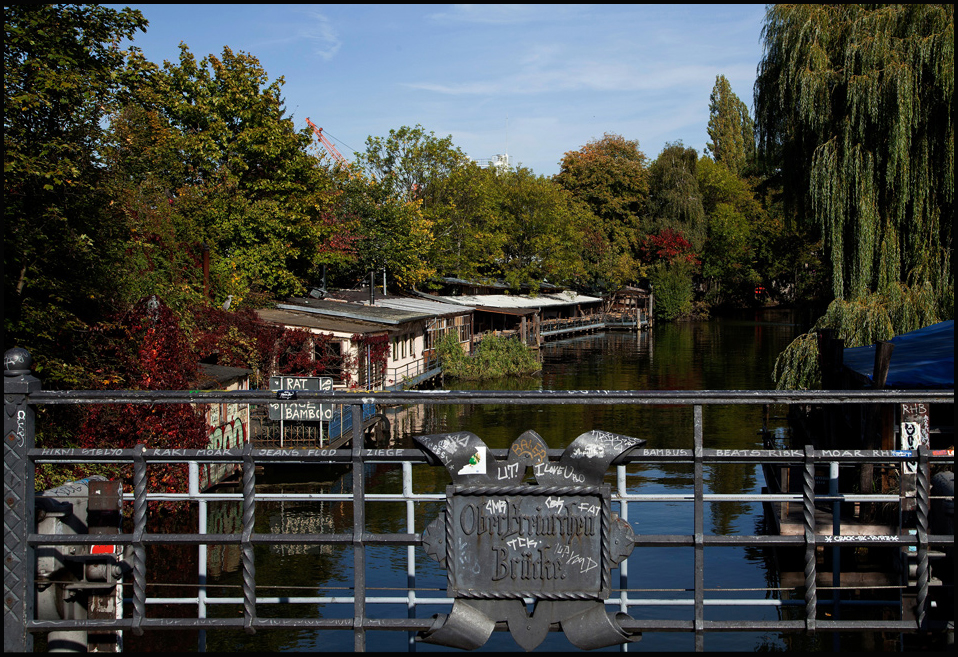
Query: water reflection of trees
point(289, 570)
point(171, 572)
point(731, 427)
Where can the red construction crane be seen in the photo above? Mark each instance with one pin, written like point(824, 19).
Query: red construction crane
point(328, 144)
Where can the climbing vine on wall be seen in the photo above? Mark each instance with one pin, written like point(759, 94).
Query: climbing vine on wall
point(237, 338)
point(301, 352)
point(372, 352)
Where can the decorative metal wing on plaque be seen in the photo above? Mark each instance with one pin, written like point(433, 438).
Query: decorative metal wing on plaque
point(501, 540)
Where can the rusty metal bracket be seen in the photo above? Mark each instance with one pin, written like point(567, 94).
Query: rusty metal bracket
point(503, 541)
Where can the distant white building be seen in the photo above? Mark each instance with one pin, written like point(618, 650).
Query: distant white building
point(500, 161)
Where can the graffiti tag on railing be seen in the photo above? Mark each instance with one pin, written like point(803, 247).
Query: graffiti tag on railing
point(857, 538)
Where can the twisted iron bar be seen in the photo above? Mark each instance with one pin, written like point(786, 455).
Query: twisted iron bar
point(249, 516)
point(606, 566)
point(808, 516)
point(923, 503)
point(139, 550)
point(359, 523)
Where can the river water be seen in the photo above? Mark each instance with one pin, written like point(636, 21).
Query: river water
point(728, 353)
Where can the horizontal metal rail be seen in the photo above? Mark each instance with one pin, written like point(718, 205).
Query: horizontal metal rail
point(523, 397)
point(21, 454)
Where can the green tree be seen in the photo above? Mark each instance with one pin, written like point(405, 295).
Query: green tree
point(675, 199)
point(392, 232)
point(543, 227)
point(672, 285)
point(855, 104)
point(728, 250)
point(163, 253)
point(437, 222)
point(605, 267)
point(236, 176)
point(63, 74)
point(738, 229)
point(672, 264)
point(409, 160)
point(611, 177)
point(731, 128)
point(467, 229)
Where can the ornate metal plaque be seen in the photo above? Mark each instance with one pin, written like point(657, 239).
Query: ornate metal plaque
point(529, 543)
point(503, 541)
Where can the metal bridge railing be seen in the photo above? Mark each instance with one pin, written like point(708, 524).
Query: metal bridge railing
point(21, 539)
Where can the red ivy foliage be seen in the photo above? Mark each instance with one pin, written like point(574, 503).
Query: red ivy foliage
point(668, 245)
point(241, 339)
point(238, 339)
point(342, 239)
point(377, 346)
point(146, 349)
point(298, 351)
point(150, 352)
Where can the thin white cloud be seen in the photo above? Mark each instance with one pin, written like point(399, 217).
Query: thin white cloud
point(500, 14)
point(313, 28)
point(621, 63)
point(583, 76)
point(320, 32)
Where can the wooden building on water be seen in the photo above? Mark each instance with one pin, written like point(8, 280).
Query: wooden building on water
point(411, 327)
point(922, 359)
point(919, 360)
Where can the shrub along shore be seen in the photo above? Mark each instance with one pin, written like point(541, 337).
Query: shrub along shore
point(495, 357)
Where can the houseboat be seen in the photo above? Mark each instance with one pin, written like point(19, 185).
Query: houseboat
point(552, 312)
point(412, 327)
point(918, 360)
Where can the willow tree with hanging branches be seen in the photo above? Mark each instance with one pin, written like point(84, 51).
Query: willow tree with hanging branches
point(854, 106)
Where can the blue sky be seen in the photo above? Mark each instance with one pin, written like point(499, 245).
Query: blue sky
point(535, 81)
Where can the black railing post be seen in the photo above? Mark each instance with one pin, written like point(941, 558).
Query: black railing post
point(19, 431)
point(359, 530)
point(808, 515)
point(699, 527)
point(923, 504)
point(249, 521)
point(139, 549)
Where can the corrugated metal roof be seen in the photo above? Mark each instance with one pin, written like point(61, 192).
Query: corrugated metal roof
point(378, 314)
point(523, 300)
point(318, 322)
point(423, 306)
point(498, 284)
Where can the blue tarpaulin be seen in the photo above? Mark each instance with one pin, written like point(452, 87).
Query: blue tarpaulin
point(921, 359)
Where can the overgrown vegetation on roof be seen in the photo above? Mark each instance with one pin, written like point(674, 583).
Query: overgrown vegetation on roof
point(495, 357)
